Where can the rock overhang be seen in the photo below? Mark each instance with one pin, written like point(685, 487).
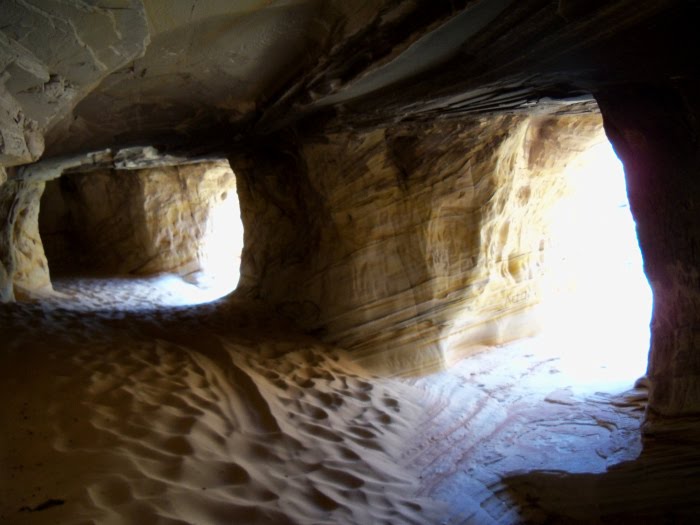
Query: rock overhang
point(147, 71)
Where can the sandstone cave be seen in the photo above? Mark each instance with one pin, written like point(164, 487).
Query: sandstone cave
point(180, 224)
point(283, 261)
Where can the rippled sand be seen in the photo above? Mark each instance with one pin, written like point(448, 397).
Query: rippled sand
point(120, 407)
point(117, 410)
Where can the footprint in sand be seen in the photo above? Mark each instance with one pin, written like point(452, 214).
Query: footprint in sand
point(348, 454)
point(384, 419)
point(362, 432)
point(313, 411)
point(330, 400)
point(305, 383)
point(339, 478)
point(361, 396)
point(176, 445)
point(320, 432)
point(322, 501)
point(391, 403)
point(234, 474)
point(358, 384)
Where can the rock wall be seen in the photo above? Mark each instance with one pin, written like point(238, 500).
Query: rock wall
point(24, 271)
point(51, 55)
point(412, 243)
point(23, 267)
point(655, 131)
point(132, 222)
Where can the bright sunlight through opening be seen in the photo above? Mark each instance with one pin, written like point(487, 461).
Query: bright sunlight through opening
point(596, 301)
point(220, 253)
point(219, 259)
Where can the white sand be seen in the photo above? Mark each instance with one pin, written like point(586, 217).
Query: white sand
point(118, 411)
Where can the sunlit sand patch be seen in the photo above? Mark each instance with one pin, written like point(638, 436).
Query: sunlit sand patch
point(597, 301)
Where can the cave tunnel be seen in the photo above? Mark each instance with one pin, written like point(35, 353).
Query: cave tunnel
point(176, 227)
point(459, 218)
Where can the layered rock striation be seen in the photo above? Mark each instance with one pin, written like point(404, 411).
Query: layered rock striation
point(410, 244)
point(139, 222)
point(107, 222)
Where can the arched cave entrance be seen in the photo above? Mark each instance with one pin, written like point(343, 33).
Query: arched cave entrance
point(172, 235)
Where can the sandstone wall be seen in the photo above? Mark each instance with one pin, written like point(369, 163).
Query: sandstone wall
point(23, 267)
point(51, 56)
point(132, 222)
point(408, 244)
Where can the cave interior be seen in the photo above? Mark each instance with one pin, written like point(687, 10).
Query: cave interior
point(292, 261)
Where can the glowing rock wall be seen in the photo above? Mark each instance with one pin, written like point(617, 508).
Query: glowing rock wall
point(132, 222)
point(409, 244)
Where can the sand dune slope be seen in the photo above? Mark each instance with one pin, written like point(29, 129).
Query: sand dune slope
point(114, 419)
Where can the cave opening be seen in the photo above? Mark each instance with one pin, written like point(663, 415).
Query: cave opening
point(556, 268)
point(546, 380)
point(143, 239)
point(596, 299)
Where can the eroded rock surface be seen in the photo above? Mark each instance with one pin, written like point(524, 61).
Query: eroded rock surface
point(51, 55)
point(23, 266)
point(407, 244)
point(145, 221)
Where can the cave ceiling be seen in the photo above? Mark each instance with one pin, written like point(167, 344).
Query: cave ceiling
point(79, 76)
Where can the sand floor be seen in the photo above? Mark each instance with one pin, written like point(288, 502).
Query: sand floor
point(119, 408)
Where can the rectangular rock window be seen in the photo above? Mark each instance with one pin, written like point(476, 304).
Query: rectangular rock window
point(179, 222)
